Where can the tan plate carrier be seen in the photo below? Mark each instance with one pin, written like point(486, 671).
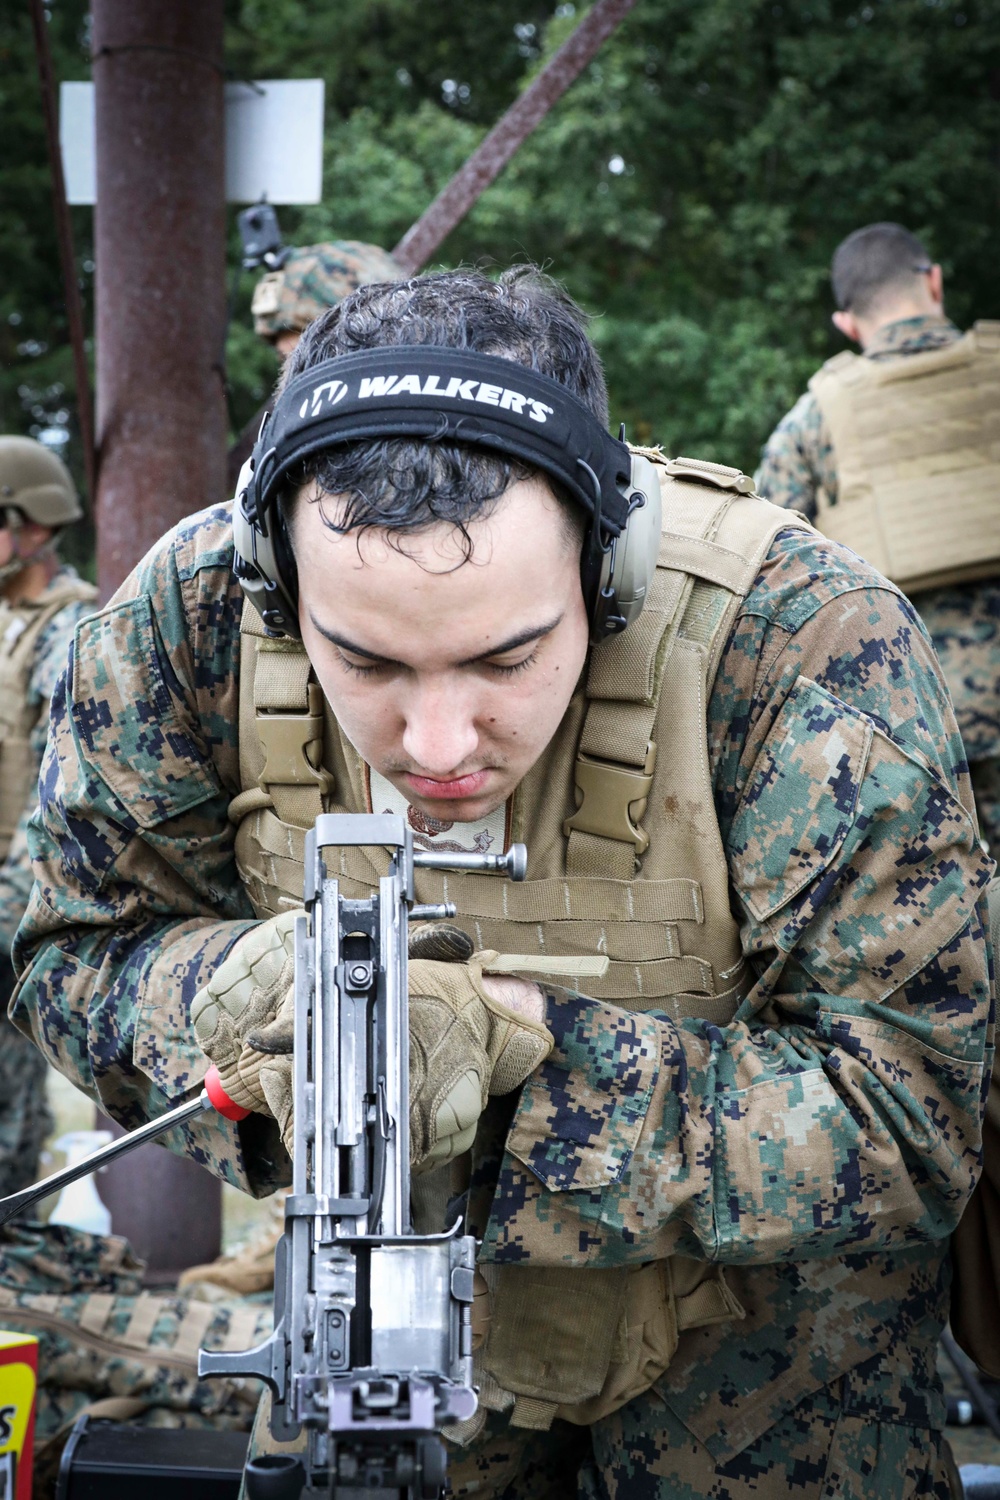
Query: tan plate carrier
point(21, 626)
point(625, 859)
point(916, 442)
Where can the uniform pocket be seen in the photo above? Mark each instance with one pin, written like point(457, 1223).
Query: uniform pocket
point(810, 768)
point(130, 719)
point(867, 864)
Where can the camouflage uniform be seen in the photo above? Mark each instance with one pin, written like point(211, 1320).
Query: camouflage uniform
point(963, 620)
point(822, 1145)
point(25, 1119)
point(314, 278)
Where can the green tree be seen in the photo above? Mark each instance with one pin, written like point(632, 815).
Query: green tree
point(689, 188)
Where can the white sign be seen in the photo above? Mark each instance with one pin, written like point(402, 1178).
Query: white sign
point(274, 141)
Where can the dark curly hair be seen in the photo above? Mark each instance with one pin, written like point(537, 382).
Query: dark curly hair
point(404, 484)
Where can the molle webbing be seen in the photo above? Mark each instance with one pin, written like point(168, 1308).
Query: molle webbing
point(21, 625)
point(624, 853)
point(626, 860)
point(916, 441)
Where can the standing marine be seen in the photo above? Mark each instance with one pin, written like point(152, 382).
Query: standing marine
point(310, 279)
point(714, 1177)
point(896, 452)
point(41, 601)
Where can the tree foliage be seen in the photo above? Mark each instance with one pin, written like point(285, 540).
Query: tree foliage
point(689, 189)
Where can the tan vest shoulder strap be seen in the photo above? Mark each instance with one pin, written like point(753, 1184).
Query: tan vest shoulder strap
point(716, 533)
point(281, 728)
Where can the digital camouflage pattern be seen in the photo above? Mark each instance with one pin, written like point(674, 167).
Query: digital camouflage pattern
point(101, 1338)
point(963, 620)
point(852, 1440)
point(25, 1118)
point(314, 278)
point(822, 1145)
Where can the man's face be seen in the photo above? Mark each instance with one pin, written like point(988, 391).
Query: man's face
point(448, 677)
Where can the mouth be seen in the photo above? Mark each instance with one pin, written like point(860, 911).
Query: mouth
point(452, 789)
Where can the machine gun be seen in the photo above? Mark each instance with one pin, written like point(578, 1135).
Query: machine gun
point(372, 1346)
point(371, 1352)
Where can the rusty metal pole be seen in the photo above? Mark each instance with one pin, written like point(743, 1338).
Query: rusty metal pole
point(67, 258)
point(495, 151)
point(161, 419)
point(160, 258)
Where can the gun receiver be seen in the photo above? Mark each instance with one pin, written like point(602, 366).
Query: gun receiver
point(371, 1352)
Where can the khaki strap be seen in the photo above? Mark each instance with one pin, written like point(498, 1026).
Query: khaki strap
point(47, 1303)
point(572, 965)
point(191, 1333)
point(242, 1329)
point(142, 1322)
point(531, 1413)
point(285, 718)
point(95, 1312)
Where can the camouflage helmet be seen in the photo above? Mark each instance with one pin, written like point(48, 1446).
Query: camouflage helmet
point(314, 278)
point(37, 483)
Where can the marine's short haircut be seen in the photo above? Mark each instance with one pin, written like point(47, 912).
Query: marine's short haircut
point(875, 260)
point(404, 484)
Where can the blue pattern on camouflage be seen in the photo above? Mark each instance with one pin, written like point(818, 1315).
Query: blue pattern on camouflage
point(78, 1294)
point(963, 620)
point(838, 1115)
point(25, 1118)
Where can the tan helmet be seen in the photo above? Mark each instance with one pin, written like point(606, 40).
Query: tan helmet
point(314, 278)
point(37, 483)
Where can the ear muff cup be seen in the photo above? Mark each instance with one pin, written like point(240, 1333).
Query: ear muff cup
point(263, 561)
point(631, 564)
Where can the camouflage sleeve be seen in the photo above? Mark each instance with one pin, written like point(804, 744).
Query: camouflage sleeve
point(797, 460)
point(841, 1108)
point(136, 895)
point(51, 652)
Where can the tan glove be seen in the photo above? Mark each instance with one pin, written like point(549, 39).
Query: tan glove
point(244, 1016)
point(464, 1046)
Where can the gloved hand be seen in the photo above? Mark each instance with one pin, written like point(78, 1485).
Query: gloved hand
point(464, 1046)
point(244, 1016)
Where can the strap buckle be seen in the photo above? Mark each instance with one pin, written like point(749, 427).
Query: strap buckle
point(612, 799)
point(286, 740)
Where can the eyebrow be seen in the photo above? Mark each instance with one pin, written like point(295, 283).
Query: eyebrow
point(522, 638)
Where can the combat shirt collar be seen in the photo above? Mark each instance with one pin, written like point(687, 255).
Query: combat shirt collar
point(911, 335)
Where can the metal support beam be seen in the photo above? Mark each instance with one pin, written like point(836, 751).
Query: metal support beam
point(492, 155)
point(161, 418)
point(160, 258)
point(67, 259)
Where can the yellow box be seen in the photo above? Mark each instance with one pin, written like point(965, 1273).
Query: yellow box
point(18, 1381)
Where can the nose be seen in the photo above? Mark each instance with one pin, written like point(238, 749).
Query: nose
point(440, 735)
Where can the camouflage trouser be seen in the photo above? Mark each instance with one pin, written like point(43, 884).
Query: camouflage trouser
point(986, 786)
point(818, 1451)
point(821, 1450)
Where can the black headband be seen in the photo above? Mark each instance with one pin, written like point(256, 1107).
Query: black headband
point(442, 394)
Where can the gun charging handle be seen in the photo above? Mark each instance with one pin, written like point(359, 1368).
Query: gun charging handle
point(513, 864)
point(212, 1096)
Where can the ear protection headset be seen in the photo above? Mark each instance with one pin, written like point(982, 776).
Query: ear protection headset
point(441, 394)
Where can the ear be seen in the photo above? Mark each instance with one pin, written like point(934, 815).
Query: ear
point(31, 536)
point(847, 324)
point(935, 285)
